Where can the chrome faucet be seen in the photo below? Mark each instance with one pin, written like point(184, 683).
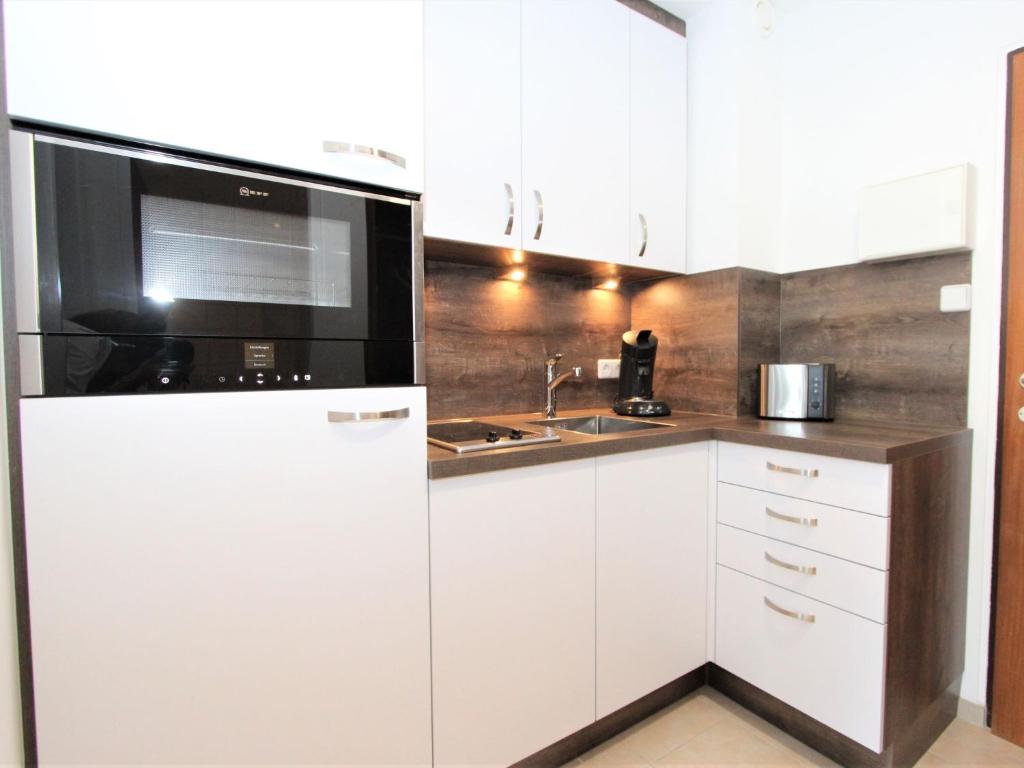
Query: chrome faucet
point(552, 381)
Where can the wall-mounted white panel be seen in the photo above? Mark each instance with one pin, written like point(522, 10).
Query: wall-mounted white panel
point(916, 216)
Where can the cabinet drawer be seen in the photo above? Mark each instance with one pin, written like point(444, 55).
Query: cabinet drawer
point(857, 485)
point(831, 669)
point(844, 533)
point(840, 583)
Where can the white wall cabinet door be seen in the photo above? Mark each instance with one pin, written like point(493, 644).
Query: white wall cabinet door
point(576, 128)
point(652, 512)
point(228, 579)
point(473, 138)
point(657, 145)
point(268, 82)
point(512, 600)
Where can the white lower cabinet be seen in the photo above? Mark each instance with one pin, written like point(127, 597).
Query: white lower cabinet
point(859, 485)
point(801, 585)
point(855, 536)
point(512, 600)
point(228, 578)
point(850, 586)
point(823, 661)
point(651, 570)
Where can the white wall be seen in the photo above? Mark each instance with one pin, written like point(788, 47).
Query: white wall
point(862, 91)
point(874, 91)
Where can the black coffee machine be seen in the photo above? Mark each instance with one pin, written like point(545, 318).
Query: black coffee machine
point(636, 377)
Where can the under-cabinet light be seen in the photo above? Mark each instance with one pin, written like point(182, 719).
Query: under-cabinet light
point(516, 274)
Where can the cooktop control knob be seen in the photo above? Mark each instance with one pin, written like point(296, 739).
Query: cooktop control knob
point(492, 437)
point(515, 434)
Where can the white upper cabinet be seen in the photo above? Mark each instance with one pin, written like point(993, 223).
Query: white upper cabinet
point(329, 88)
point(473, 139)
point(657, 145)
point(556, 126)
point(575, 117)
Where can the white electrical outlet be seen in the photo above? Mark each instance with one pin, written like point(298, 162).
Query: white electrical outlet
point(955, 298)
point(608, 368)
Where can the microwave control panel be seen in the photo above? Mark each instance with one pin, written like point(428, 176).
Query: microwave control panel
point(77, 365)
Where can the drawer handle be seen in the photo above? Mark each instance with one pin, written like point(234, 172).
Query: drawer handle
point(791, 470)
point(343, 416)
point(810, 522)
point(805, 617)
point(809, 570)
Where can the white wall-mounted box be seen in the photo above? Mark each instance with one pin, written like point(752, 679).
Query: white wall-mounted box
point(917, 216)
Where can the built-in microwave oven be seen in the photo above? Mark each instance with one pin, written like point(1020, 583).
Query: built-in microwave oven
point(138, 271)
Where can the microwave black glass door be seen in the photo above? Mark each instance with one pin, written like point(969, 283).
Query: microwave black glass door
point(130, 246)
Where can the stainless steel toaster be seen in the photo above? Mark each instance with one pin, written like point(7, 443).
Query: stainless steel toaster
point(798, 391)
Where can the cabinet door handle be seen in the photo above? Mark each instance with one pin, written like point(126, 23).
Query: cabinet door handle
point(643, 233)
point(791, 470)
point(808, 570)
point(810, 522)
point(540, 213)
point(510, 208)
point(346, 148)
point(805, 617)
point(343, 416)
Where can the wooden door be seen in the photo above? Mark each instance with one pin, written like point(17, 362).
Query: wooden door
point(229, 578)
point(1008, 652)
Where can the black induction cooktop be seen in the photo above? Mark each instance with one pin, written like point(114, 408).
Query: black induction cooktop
point(465, 435)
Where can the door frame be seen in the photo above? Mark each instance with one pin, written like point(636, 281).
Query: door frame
point(1011, 86)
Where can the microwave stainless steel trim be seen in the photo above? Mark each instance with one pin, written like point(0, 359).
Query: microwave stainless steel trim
point(213, 165)
point(38, 350)
point(23, 231)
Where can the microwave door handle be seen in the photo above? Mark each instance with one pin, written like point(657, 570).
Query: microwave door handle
point(347, 148)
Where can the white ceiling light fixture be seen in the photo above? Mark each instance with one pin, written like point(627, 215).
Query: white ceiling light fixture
point(764, 16)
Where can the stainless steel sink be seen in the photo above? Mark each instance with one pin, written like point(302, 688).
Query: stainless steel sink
point(599, 425)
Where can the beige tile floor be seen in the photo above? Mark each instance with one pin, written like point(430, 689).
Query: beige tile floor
point(707, 729)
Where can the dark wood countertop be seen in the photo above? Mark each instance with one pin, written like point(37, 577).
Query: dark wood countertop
point(863, 441)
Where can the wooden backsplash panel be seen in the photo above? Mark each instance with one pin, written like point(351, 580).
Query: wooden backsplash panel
point(759, 335)
point(487, 339)
point(897, 356)
point(695, 320)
